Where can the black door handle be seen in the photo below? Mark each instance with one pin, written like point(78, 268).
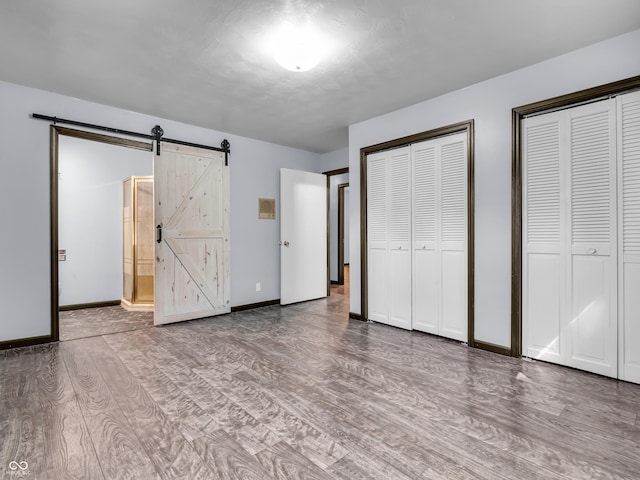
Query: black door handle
point(159, 233)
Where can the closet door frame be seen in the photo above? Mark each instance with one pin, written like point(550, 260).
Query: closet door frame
point(462, 127)
point(518, 114)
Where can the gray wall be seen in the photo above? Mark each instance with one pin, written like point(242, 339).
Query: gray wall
point(490, 104)
point(90, 216)
point(24, 201)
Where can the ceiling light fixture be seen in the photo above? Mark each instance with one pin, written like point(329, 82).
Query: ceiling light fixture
point(297, 48)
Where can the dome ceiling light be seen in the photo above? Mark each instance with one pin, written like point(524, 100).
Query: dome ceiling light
point(297, 48)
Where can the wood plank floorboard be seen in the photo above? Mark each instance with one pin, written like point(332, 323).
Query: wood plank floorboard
point(227, 459)
point(285, 463)
point(303, 392)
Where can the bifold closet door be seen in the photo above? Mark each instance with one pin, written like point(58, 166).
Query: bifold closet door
point(543, 273)
point(570, 239)
point(389, 237)
point(629, 235)
point(440, 231)
point(591, 223)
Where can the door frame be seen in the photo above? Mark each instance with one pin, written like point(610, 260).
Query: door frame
point(329, 174)
point(517, 115)
point(341, 207)
point(461, 127)
point(55, 132)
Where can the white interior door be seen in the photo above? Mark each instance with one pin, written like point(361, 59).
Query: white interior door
point(192, 274)
point(303, 236)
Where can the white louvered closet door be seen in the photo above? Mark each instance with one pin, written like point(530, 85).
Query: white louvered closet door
point(400, 238)
point(629, 235)
point(389, 237)
point(453, 236)
point(543, 282)
point(377, 237)
point(569, 238)
point(592, 328)
point(426, 254)
point(440, 291)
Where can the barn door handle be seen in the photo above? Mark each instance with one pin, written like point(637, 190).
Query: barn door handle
point(159, 233)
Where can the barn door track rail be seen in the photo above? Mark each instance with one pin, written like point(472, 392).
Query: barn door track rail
point(157, 134)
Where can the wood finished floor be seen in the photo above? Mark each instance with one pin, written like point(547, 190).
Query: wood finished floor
point(304, 392)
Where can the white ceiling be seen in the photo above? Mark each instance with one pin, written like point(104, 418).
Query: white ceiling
point(206, 62)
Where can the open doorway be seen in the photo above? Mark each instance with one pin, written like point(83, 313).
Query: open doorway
point(343, 236)
point(338, 233)
point(88, 217)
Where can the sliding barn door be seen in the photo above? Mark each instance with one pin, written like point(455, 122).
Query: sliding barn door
point(192, 275)
point(570, 238)
point(389, 237)
point(440, 231)
point(629, 234)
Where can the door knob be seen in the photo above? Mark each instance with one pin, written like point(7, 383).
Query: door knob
point(285, 243)
point(592, 251)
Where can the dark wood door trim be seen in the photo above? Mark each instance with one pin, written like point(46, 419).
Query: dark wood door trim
point(518, 114)
point(466, 126)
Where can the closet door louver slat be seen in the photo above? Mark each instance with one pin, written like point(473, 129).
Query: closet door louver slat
point(377, 200)
point(590, 179)
point(424, 187)
point(631, 176)
point(399, 181)
point(543, 184)
point(453, 168)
